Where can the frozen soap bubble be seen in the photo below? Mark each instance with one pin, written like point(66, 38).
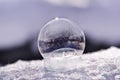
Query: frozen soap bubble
point(61, 37)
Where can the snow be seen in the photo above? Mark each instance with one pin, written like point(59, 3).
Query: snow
point(100, 65)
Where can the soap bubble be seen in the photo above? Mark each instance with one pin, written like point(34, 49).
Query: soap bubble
point(61, 37)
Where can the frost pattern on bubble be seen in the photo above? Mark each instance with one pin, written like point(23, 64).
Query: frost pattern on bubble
point(60, 36)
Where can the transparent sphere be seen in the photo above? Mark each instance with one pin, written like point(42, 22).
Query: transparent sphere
point(61, 37)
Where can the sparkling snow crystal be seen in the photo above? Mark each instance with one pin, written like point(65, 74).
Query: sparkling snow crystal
point(101, 65)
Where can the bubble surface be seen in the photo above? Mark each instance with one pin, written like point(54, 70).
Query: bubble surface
point(61, 37)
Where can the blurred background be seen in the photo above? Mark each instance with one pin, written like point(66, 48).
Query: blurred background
point(21, 21)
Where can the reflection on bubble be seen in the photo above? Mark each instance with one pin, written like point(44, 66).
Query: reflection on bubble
point(61, 37)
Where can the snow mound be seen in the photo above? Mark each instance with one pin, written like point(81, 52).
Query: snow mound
point(101, 65)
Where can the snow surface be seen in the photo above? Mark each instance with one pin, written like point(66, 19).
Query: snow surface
point(101, 65)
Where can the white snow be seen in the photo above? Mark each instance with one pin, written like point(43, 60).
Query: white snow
point(101, 65)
